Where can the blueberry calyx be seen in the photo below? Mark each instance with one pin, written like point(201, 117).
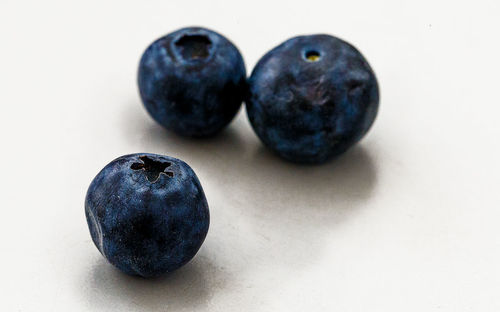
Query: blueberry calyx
point(194, 46)
point(312, 56)
point(152, 168)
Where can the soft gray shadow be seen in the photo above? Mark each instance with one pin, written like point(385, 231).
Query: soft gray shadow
point(283, 212)
point(186, 289)
point(275, 188)
point(146, 135)
point(350, 177)
point(236, 151)
point(295, 207)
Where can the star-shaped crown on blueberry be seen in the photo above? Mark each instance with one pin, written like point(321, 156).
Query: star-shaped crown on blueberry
point(152, 168)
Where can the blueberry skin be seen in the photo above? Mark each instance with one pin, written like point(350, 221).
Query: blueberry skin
point(192, 81)
point(311, 98)
point(147, 213)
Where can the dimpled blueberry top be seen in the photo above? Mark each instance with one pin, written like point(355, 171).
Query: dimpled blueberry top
point(147, 213)
point(192, 81)
point(312, 97)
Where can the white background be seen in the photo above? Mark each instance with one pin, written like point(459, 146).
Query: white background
point(408, 220)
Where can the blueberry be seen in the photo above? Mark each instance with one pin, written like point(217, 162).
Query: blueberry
point(147, 213)
point(311, 98)
point(192, 81)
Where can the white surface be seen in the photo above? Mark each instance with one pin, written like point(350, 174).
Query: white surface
point(406, 221)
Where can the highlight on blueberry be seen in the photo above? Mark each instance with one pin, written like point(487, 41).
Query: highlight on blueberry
point(192, 81)
point(147, 213)
point(311, 98)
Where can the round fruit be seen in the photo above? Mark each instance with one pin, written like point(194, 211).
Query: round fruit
point(192, 81)
point(311, 98)
point(147, 213)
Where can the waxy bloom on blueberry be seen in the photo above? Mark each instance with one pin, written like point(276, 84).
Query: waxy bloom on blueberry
point(147, 213)
point(311, 98)
point(192, 81)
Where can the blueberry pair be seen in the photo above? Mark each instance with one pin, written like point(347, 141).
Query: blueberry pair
point(308, 99)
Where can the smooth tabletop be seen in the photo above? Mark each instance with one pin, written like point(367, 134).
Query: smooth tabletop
point(407, 220)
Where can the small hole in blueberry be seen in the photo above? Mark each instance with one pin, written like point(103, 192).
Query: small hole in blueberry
point(152, 168)
point(194, 46)
point(312, 56)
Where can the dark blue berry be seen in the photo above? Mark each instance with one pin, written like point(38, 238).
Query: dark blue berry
point(311, 98)
point(192, 81)
point(147, 213)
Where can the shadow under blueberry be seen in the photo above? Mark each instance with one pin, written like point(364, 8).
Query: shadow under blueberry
point(351, 176)
point(268, 216)
point(200, 153)
point(186, 289)
point(295, 207)
point(281, 199)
